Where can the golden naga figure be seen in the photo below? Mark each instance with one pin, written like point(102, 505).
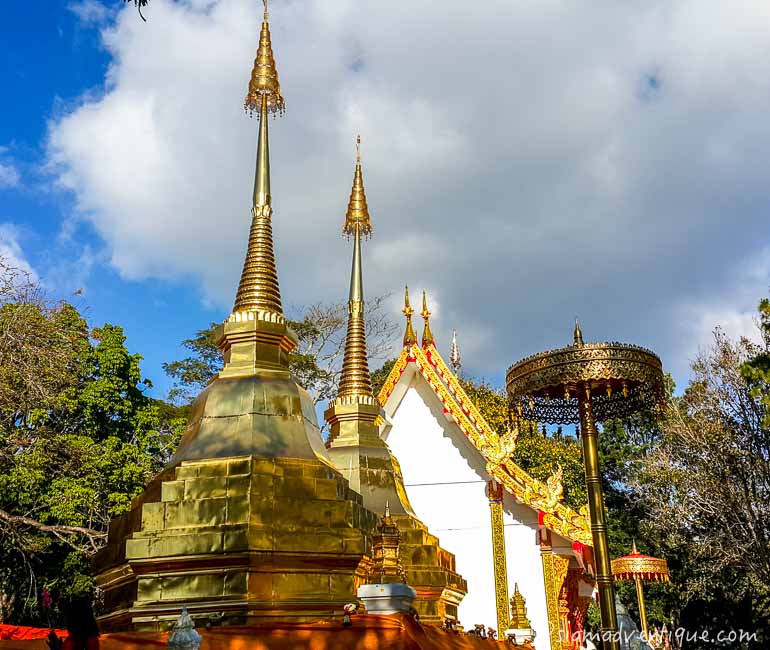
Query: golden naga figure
point(554, 490)
point(499, 449)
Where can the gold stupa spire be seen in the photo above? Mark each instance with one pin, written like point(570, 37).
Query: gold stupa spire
point(356, 382)
point(577, 335)
point(258, 290)
point(410, 338)
point(427, 335)
point(357, 217)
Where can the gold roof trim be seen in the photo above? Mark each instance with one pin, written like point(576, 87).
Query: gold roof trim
point(561, 519)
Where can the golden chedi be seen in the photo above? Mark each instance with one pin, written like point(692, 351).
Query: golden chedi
point(358, 452)
point(250, 521)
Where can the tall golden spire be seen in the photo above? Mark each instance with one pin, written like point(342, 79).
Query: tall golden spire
point(410, 338)
point(427, 335)
point(356, 382)
point(258, 289)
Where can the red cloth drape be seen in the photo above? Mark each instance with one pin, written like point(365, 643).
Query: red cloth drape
point(367, 633)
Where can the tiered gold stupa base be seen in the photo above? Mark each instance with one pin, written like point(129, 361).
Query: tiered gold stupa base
point(361, 456)
point(430, 570)
point(238, 541)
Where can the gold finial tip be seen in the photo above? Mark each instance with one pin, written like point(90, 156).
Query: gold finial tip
point(425, 312)
point(427, 334)
point(410, 338)
point(357, 217)
point(577, 334)
point(633, 547)
point(264, 76)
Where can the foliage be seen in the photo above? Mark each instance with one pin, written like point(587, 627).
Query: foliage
point(315, 364)
point(706, 483)
point(139, 4)
point(756, 371)
point(538, 453)
point(78, 439)
point(381, 374)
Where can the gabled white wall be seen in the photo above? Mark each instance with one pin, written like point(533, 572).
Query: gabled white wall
point(445, 480)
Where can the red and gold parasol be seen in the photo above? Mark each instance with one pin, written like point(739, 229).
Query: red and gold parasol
point(640, 568)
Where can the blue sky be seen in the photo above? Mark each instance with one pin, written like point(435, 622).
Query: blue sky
point(50, 58)
point(519, 164)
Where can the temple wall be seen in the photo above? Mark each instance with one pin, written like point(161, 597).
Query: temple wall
point(446, 480)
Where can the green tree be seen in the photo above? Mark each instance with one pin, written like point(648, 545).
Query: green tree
point(704, 488)
point(79, 438)
point(756, 371)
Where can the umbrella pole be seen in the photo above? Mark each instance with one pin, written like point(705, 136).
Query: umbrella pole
point(640, 598)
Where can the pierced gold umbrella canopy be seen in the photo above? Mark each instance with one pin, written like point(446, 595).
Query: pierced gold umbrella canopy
point(587, 383)
point(640, 568)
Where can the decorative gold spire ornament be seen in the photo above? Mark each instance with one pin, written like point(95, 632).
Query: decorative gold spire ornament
point(387, 568)
point(577, 335)
point(357, 217)
point(356, 382)
point(410, 338)
point(519, 620)
point(427, 335)
point(264, 76)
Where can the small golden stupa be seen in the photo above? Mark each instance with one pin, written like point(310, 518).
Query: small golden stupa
point(519, 620)
point(358, 452)
point(386, 556)
point(250, 522)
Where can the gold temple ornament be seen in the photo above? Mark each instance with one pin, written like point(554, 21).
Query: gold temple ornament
point(583, 373)
point(410, 338)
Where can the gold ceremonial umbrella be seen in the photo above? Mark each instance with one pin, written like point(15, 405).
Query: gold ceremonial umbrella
point(588, 383)
point(640, 568)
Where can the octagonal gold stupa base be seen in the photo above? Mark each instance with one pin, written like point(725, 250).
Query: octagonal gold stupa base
point(238, 541)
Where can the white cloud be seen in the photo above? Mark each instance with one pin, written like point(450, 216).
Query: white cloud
point(90, 12)
point(734, 311)
point(11, 251)
point(526, 161)
point(9, 176)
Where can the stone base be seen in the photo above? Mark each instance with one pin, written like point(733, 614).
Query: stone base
point(387, 599)
point(238, 541)
point(521, 636)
